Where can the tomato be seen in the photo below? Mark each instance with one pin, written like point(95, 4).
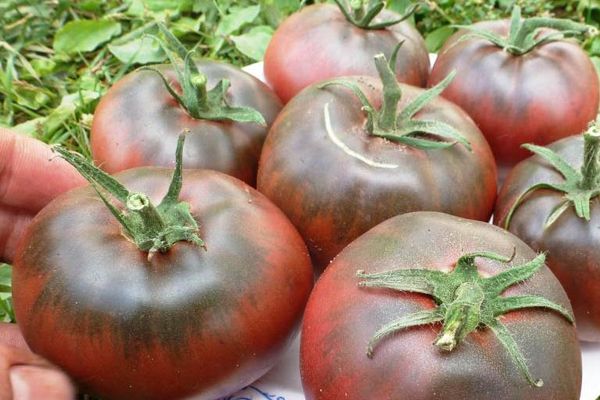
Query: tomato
point(545, 94)
point(319, 42)
point(572, 241)
point(138, 121)
point(345, 311)
point(184, 320)
point(335, 179)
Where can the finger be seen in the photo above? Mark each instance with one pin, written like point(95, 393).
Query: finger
point(34, 383)
point(11, 356)
point(30, 174)
point(26, 375)
point(12, 226)
point(11, 335)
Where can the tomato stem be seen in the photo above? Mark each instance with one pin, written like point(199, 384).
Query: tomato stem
point(523, 36)
point(152, 228)
point(196, 99)
point(403, 127)
point(391, 94)
point(580, 187)
point(358, 9)
point(199, 82)
point(466, 301)
point(152, 222)
point(462, 317)
point(361, 13)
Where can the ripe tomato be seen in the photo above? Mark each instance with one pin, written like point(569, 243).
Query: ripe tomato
point(538, 97)
point(335, 179)
point(319, 42)
point(342, 317)
point(128, 324)
point(548, 221)
point(138, 121)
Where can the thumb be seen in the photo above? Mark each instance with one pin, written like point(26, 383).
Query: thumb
point(33, 383)
point(30, 174)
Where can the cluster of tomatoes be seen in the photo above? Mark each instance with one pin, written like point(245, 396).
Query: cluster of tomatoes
point(159, 283)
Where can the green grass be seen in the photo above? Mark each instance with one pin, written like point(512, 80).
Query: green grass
point(57, 58)
point(6, 308)
point(54, 67)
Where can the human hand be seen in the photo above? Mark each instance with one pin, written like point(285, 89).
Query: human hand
point(30, 177)
point(27, 376)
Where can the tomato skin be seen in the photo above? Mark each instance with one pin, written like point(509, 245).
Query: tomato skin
point(341, 318)
point(540, 97)
point(181, 323)
point(298, 55)
point(332, 198)
point(137, 123)
point(573, 244)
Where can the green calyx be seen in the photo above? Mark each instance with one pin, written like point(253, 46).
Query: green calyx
point(465, 300)
point(151, 228)
point(403, 127)
point(523, 36)
point(579, 187)
point(361, 13)
point(196, 98)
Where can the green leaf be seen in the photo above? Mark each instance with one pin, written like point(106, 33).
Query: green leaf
point(6, 308)
point(400, 6)
point(91, 5)
point(67, 107)
point(594, 47)
point(275, 11)
point(436, 39)
point(30, 96)
point(85, 35)
point(588, 5)
point(237, 18)
point(596, 62)
point(143, 50)
point(185, 25)
point(43, 66)
point(31, 127)
point(137, 7)
point(254, 43)
point(5, 275)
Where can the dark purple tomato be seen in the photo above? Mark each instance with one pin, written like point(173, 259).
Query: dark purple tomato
point(334, 180)
point(342, 317)
point(319, 43)
point(546, 94)
point(126, 324)
point(572, 243)
point(138, 121)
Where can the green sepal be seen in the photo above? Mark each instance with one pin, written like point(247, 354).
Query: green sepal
point(579, 187)
point(93, 174)
point(150, 228)
point(507, 340)
point(403, 127)
point(465, 302)
point(419, 318)
point(196, 99)
point(523, 32)
point(362, 13)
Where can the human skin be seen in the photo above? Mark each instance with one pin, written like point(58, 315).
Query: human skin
point(30, 177)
